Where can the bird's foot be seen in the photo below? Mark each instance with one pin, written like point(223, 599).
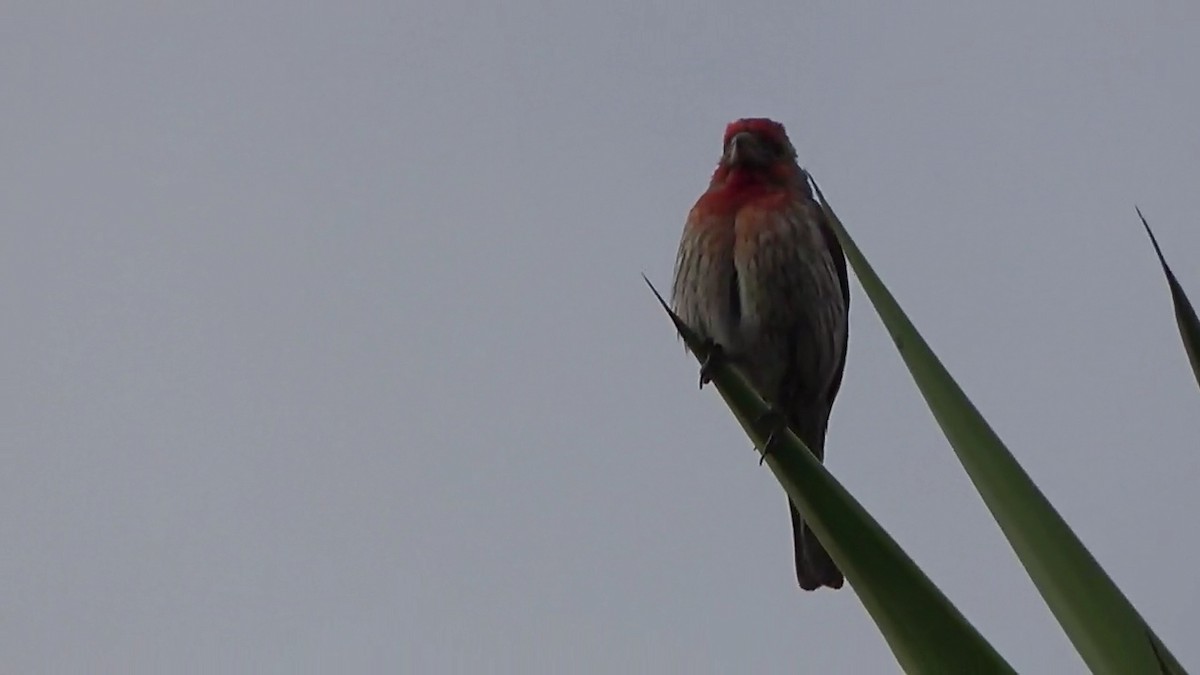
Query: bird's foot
point(772, 424)
point(714, 355)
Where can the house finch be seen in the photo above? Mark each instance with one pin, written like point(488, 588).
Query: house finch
point(760, 275)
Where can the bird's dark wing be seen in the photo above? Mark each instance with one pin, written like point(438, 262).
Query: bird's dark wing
point(839, 264)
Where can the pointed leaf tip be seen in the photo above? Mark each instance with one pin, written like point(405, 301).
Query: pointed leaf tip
point(1185, 314)
point(655, 291)
point(689, 336)
point(1153, 240)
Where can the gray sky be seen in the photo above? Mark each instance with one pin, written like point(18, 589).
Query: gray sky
point(326, 348)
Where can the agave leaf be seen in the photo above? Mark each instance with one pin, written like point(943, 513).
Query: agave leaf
point(1106, 630)
point(926, 633)
point(1185, 316)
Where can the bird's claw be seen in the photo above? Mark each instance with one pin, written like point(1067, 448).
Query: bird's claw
point(771, 422)
point(714, 354)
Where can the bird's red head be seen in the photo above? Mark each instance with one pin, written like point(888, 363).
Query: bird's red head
point(756, 147)
point(758, 126)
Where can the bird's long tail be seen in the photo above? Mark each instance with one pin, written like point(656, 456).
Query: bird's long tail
point(814, 567)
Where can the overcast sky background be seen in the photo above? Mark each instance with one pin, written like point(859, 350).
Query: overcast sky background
point(326, 347)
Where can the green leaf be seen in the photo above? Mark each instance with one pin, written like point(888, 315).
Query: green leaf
point(1185, 316)
point(1104, 627)
point(925, 632)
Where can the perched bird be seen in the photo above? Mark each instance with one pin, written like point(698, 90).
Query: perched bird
point(760, 275)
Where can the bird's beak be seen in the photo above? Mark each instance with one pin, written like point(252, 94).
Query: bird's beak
point(743, 149)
